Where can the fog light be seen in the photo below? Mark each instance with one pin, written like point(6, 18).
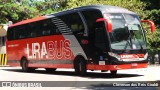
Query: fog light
point(115, 66)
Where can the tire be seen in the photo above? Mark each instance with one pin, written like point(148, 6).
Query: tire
point(114, 72)
point(80, 66)
point(76, 67)
point(24, 65)
point(31, 69)
point(50, 69)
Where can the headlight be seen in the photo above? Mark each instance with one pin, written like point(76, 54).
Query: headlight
point(145, 56)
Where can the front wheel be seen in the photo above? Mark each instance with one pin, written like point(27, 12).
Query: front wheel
point(114, 72)
point(31, 69)
point(50, 69)
point(80, 66)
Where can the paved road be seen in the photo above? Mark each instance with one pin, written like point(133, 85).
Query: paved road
point(94, 79)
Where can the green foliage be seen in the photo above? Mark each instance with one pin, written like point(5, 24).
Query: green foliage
point(133, 5)
point(153, 39)
point(153, 15)
point(11, 10)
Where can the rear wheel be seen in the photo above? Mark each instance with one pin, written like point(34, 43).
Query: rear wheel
point(50, 69)
point(80, 66)
point(24, 65)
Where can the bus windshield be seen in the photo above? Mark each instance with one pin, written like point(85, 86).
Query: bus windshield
point(127, 32)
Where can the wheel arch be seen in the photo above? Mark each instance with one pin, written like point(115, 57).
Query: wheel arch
point(77, 58)
point(80, 55)
point(80, 65)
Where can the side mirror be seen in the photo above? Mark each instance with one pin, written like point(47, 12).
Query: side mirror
point(152, 25)
point(107, 22)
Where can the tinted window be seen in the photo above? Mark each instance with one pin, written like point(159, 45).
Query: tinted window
point(73, 21)
point(10, 35)
point(91, 16)
point(100, 38)
point(48, 28)
point(20, 32)
point(31, 30)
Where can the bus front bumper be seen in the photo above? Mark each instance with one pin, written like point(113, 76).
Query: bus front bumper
point(117, 67)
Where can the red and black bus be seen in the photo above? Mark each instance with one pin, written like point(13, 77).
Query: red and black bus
point(96, 37)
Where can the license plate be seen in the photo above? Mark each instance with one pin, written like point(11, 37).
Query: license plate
point(101, 62)
point(134, 64)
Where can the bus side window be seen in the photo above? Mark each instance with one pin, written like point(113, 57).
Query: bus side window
point(10, 35)
point(22, 32)
point(45, 28)
point(90, 17)
point(100, 35)
point(19, 32)
point(15, 33)
point(34, 29)
point(77, 22)
point(48, 28)
point(74, 22)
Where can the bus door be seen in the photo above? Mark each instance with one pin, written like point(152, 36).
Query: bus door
point(97, 42)
point(97, 38)
point(100, 42)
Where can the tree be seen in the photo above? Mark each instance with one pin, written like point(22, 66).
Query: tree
point(133, 5)
point(12, 11)
point(17, 10)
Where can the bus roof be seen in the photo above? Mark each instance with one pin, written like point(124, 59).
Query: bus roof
point(28, 21)
point(103, 8)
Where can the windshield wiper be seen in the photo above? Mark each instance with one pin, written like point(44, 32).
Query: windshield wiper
point(130, 39)
point(130, 44)
point(139, 43)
